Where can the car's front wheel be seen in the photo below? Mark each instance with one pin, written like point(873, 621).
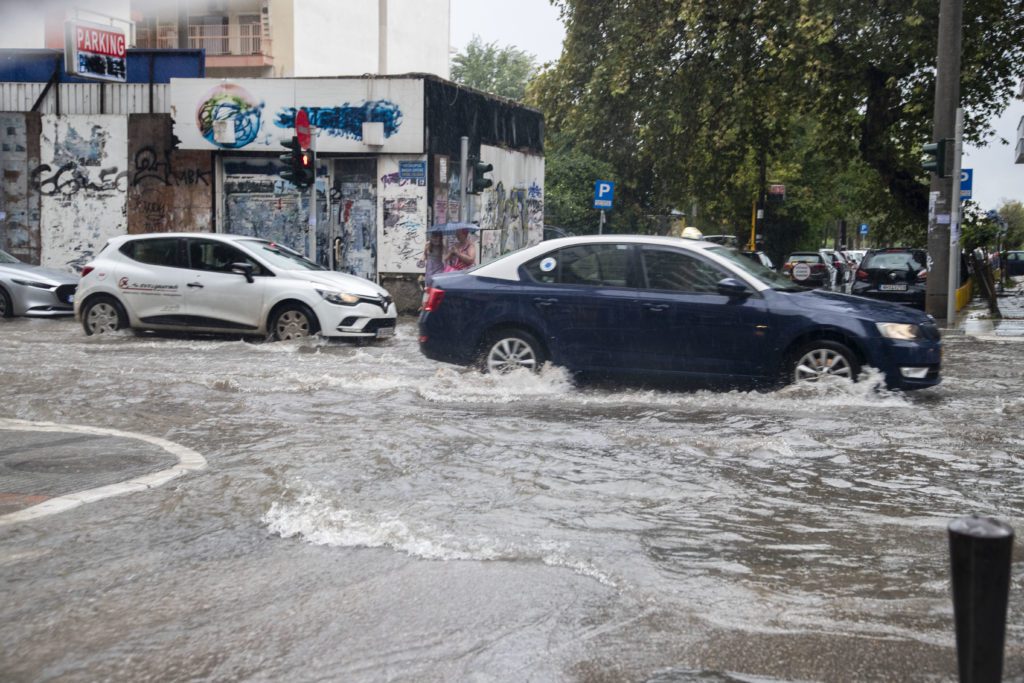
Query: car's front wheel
point(6, 306)
point(822, 357)
point(509, 350)
point(103, 315)
point(292, 321)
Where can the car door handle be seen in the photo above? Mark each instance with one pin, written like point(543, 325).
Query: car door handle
point(656, 308)
point(544, 301)
point(195, 284)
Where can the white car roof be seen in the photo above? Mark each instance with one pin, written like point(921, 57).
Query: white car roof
point(507, 266)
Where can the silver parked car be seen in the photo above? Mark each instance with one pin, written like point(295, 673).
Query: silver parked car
point(33, 290)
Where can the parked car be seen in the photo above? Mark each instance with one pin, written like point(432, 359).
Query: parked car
point(759, 257)
point(839, 271)
point(1015, 263)
point(666, 306)
point(203, 282)
point(33, 290)
point(898, 275)
point(807, 268)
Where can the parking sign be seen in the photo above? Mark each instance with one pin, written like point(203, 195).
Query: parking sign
point(966, 183)
point(604, 194)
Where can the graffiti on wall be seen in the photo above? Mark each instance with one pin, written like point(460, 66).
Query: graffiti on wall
point(346, 120)
point(404, 225)
point(354, 207)
point(232, 107)
point(82, 180)
point(512, 218)
point(19, 208)
point(157, 166)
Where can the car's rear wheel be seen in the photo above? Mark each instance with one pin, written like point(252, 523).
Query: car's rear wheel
point(816, 359)
point(6, 306)
point(509, 350)
point(103, 315)
point(292, 321)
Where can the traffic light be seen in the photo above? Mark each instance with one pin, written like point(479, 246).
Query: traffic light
point(480, 180)
point(298, 164)
point(935, 157)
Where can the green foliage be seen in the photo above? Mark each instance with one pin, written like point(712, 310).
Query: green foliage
point(569, 176)
point(500, 71)
point(1013, 213)
point(682, 97)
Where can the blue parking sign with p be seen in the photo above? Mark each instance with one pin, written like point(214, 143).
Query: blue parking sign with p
point(604, 194)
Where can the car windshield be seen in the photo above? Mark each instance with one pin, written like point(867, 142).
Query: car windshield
point(894, 260)
point(281, 256)
point(765, 275)
point(805, 258)
point(7, 258)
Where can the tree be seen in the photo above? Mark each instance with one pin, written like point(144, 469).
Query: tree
point(683, 97)
point(1012, 212)
point(499, 71)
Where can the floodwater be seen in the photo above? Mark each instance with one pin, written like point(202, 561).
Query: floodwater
point(370, 515)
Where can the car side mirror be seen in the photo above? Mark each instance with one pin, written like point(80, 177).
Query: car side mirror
point(243, 269)
point(731, 287)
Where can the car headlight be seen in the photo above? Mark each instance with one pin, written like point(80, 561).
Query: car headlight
point(30, 283)
point(339, 298)
point(905, 331)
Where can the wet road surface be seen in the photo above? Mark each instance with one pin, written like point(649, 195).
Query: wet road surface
point(369, 515)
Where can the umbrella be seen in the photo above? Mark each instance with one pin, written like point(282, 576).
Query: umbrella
point(452, 228)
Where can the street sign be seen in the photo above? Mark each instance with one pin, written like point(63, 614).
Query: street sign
point(604, 194)
point(966, 183)
point(302, 129)
point(95, 51)
point(778, 190)
point(863, 228)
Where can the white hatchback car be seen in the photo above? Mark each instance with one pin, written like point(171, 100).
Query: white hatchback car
point(206, 282)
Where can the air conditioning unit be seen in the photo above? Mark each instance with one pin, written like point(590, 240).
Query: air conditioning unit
point(373, 133)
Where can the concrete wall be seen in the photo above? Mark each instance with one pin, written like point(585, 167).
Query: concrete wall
point(83, 180)
point(168, 190)
point(403, 206)
point(511, 212)
point(19, 202)
point(335, 38)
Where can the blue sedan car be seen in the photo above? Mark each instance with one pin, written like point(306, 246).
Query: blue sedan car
point(668, 307)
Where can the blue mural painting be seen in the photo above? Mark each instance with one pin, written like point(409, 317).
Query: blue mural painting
point(346, 121)
point(232, 103)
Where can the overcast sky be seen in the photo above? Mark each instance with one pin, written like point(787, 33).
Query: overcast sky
point(534, 26)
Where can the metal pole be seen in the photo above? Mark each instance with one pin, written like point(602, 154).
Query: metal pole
point(941, 199)
point(312, 197)
point(600, 224)
point(980, 553)
point(463, 179)
point(954, 222)
point(382, 36)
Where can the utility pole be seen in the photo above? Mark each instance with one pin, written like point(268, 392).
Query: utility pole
point(382, 37)
point(463, 179)
point(940, 197)
point(761, 203)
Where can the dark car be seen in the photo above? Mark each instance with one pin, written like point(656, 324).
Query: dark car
point(666, 306)
point(1015, 263)
point(807, 268)
point(897, 275)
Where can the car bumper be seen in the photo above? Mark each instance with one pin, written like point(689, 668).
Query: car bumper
point(911, 297)
point(910, 365)
point(362, 321)
point(36, 301)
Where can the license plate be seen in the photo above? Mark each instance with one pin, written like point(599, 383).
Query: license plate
point(385, 332)
point(892, 288)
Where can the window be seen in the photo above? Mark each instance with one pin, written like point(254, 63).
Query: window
point(603, 265)
point(216, 256)
point(162, 251)
point(675, 271)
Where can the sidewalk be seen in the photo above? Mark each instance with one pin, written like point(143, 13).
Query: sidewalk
point(976, 321)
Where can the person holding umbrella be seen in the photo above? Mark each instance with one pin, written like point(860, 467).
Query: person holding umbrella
point(462, 254)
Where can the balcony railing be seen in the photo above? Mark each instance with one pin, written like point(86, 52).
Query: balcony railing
point(239, 39)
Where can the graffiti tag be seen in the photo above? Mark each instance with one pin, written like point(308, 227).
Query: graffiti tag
point(346, 121)
point(71, 179)
point(149, 166)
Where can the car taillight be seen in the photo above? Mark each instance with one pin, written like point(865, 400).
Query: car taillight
point(862, 275)
point(818, 268)
point(434, 298)
point(922, 276)
point(786, 267)
point(87, 270)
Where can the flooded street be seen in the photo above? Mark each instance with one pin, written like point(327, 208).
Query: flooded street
point(369, 515)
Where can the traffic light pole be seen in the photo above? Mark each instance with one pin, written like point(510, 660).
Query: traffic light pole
point(312, 198)
point(940, 199)
point(954, 222)
point(463, 177)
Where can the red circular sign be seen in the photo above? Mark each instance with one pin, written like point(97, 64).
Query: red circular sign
point(302, 129)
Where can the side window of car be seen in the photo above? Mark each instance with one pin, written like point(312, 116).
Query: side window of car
point(675, 271)
point(216, 256)
point(162, 251)
point(603, 265)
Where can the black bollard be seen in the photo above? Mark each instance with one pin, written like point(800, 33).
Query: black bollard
point(980, 554)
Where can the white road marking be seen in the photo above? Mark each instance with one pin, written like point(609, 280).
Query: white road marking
point(188, 461)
